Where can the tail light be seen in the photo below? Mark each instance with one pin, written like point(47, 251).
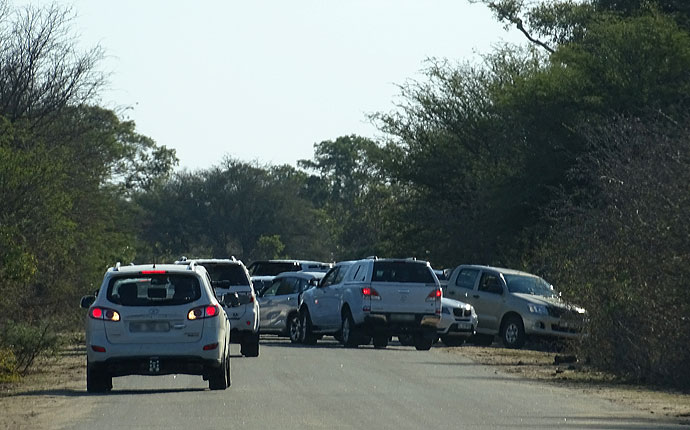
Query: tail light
point(208, 311)
point(370, 293)
point(434, 295)
point(105, 314)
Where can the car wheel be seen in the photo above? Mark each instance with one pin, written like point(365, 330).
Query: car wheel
point(380, 341)
point(452, 341)
point(307, 336)
point(423, 343)
point(513, 332)
point(218, 377)
point(347, 331)
point(97, 381)
point(250, 346)
point(294, 329)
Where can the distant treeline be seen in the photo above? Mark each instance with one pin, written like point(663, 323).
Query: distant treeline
point(567, 157)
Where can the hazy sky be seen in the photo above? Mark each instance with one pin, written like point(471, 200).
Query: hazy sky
point(265, 80)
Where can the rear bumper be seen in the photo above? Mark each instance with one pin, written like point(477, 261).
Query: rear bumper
point(125, 351)
point(394, 324)
point(152, 366)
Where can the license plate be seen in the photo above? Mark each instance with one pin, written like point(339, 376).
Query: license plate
point(464, 326)
point(402, 317)
point(149, 326)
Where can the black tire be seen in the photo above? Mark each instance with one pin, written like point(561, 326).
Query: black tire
point(218, 377)
point(250, 346)
point(423, 343)
point(348, 332)
point(406, 339)
point(293, 328)
point(482, 339)
point(452, 341)
point(97, 381)
point(307, 336)
point(513, 332)
point(380, 341)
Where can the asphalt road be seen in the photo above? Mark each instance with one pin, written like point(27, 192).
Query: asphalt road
point(328, 386)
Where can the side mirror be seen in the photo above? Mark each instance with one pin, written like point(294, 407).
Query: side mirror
point(87, 301)
point(230, 300)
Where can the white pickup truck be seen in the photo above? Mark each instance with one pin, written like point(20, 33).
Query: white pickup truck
point(373, 298)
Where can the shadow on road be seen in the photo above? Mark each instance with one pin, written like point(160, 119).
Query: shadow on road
point(115, 392)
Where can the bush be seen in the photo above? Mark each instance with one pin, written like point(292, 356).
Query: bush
point(21, 344)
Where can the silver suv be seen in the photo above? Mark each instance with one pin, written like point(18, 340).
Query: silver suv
point(230, 277)
point(358, 301)
point(156, 320)
point(513, 304)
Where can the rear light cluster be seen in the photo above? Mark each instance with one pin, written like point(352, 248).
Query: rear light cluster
point(371, 294)
point(200, 312)
point(435, 296)
point(104, 314)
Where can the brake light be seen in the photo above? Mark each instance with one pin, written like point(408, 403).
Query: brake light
point(370, 293)
point(210, 346)
point(434, 295)
point(200, 312)
point(105, 314)
point(153, 272)
point(97, 348)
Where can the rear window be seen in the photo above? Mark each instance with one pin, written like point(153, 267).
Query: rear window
point(402, 271)
point(272, 268)
point(154, 290)
point(226, 275)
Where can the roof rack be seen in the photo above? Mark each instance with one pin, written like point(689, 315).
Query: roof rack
point(371, 257)
point(117, 266)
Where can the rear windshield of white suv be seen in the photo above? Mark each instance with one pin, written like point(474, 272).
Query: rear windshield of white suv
point(226, 275)
point(154, 290)
point(402, 271)
point(272, 268)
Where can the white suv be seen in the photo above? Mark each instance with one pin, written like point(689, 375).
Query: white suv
point(156, 320)
point(230, 276)
point(374, 299)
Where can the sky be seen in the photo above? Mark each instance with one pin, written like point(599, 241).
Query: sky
point(264, 80)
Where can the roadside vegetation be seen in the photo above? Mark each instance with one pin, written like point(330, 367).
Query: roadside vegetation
point(567, 157)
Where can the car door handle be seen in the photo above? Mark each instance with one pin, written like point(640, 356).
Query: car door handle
point(289, 298)
point(179, 326)
point(451, 293)
point(476, 296)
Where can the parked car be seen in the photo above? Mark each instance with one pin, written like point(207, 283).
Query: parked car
point(374, 298)
point(275, 267)
point(514, 305)
point(156, 320)
point(280, 301)
point(458, 323)
point(230, 276)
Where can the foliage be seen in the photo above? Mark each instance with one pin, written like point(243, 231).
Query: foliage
point(235, 208)
point(25, 343)
point(623, 254)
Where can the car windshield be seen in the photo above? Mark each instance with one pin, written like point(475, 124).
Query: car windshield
point(154, 290)
point(529, 285)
